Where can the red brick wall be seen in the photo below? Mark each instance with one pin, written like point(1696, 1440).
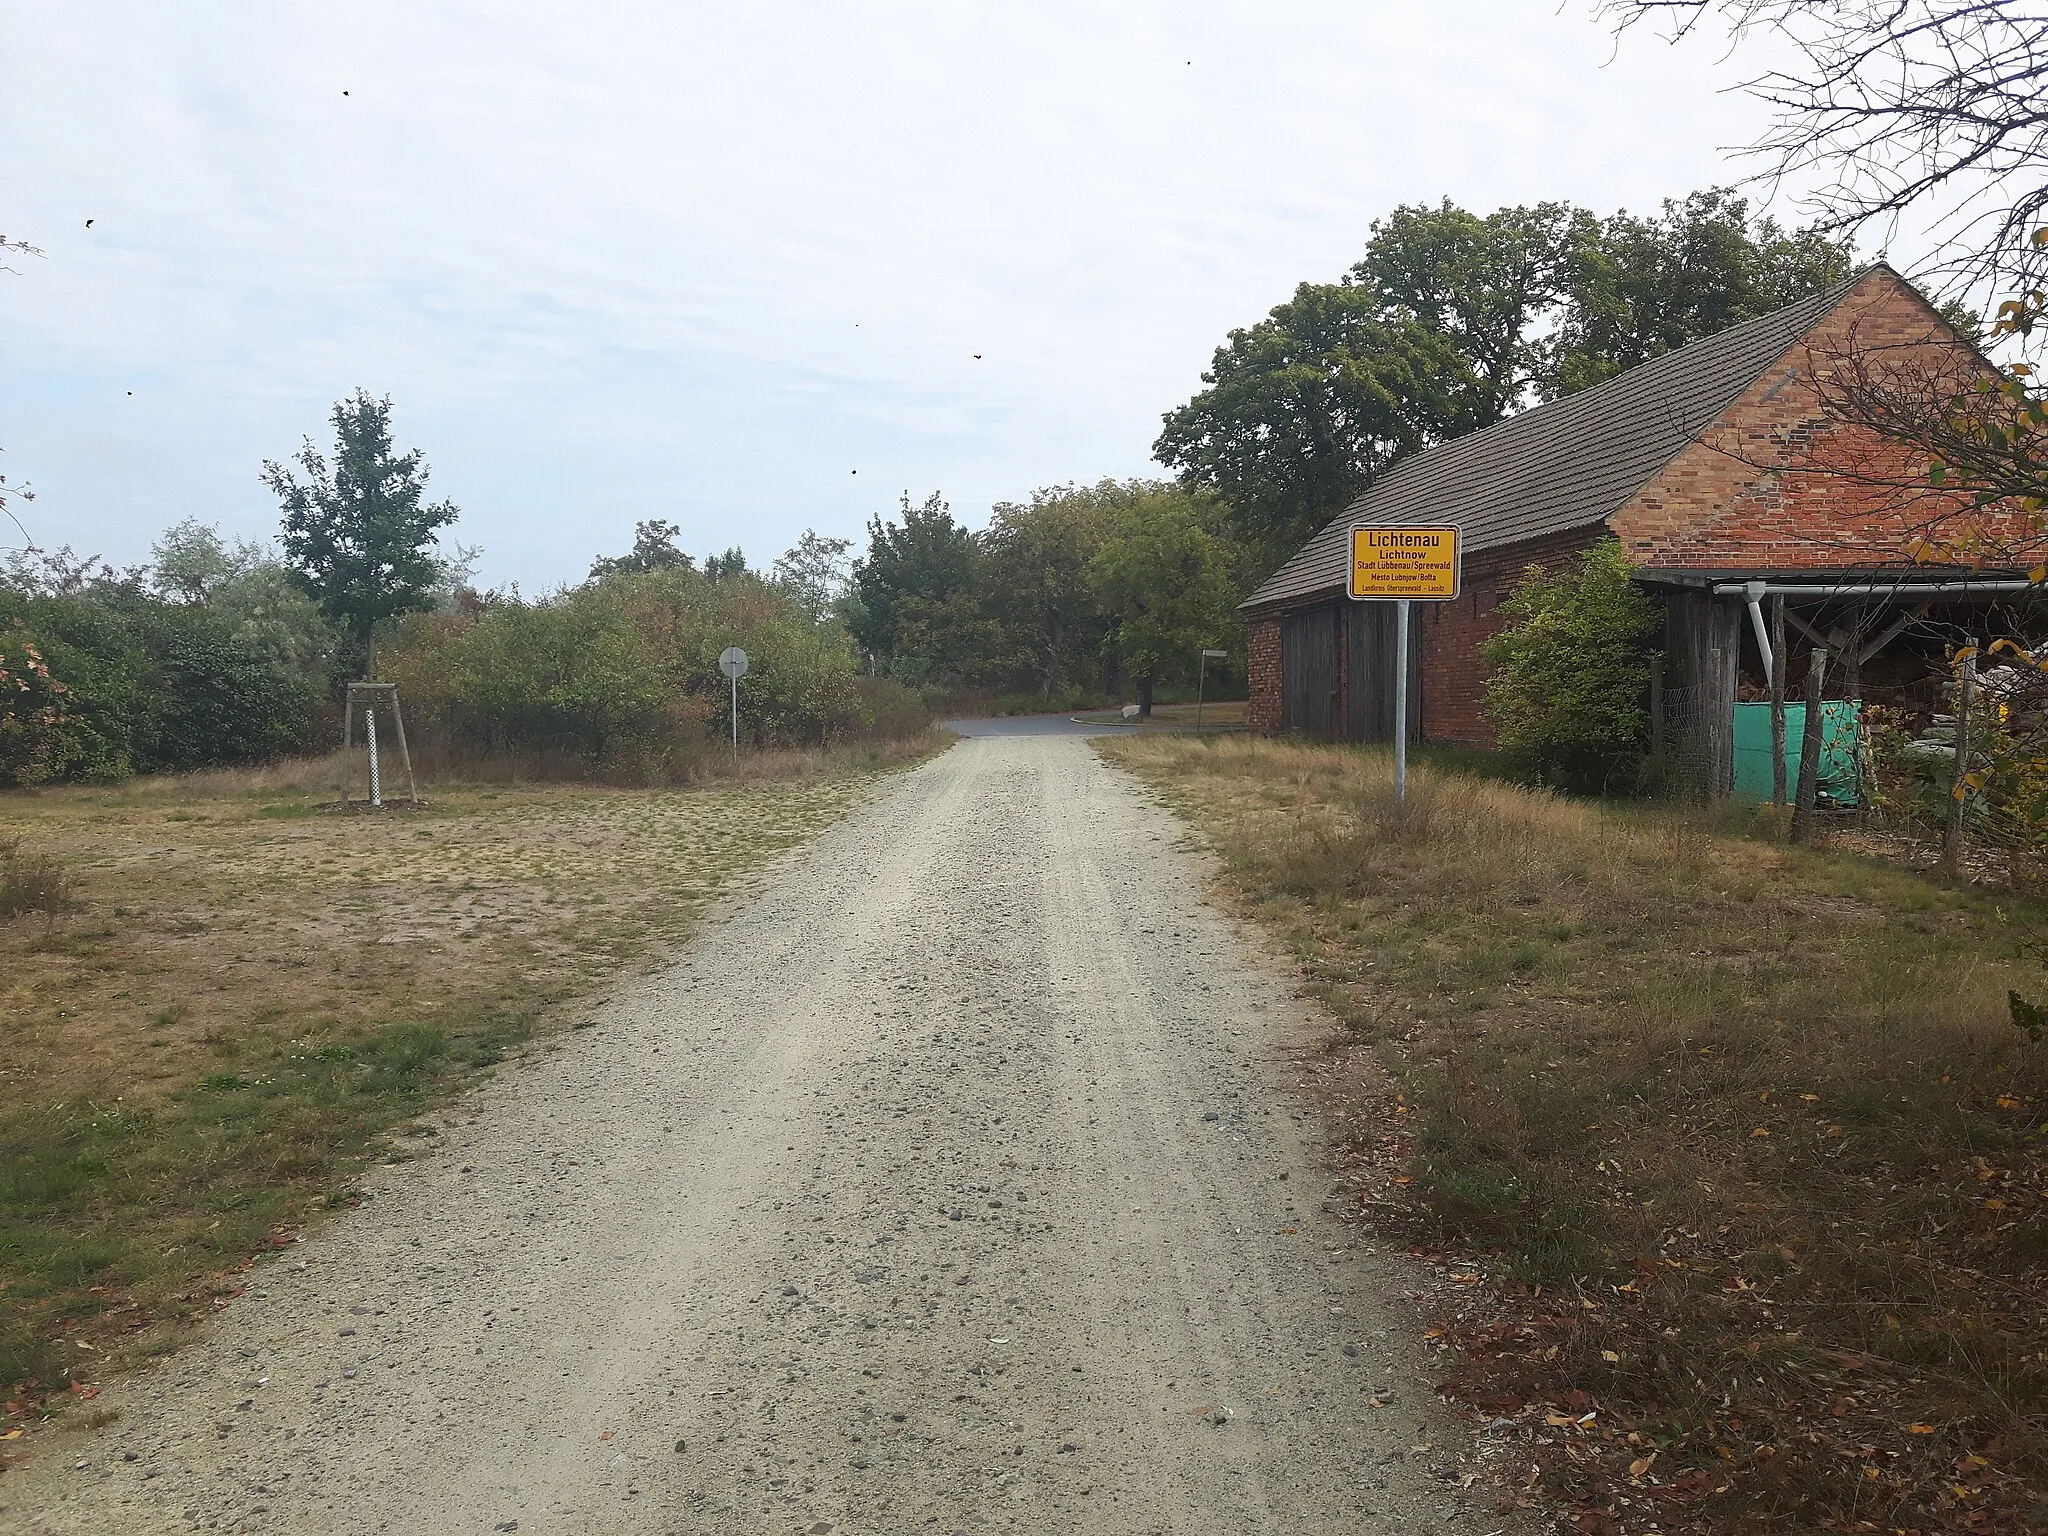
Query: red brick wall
point(1774, 485)
point(1262, 672)
point(1453, 669)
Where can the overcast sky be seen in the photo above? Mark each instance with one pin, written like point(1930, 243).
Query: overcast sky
point(731, 263)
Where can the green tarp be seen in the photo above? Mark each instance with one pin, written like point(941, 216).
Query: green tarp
point(1838, 777)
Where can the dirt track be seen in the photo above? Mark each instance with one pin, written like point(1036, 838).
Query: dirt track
point(946, 1188)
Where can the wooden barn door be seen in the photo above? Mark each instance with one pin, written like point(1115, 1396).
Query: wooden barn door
point(1369, 672)
point(1308, 671)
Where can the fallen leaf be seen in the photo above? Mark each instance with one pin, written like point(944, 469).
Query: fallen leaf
point(1760, 1131)
point(1919, 1429)
point(12, 1434)
point(1610, 1357)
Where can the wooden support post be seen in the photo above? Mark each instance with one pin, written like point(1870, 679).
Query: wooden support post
point(412, 787)
point(1958, 789)
point(1809, 747)
point(1718, 715)
point(1777, 681)
point(1657, 707)
point(348, 738)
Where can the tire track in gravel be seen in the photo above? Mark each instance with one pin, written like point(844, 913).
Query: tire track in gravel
point(943, 1188)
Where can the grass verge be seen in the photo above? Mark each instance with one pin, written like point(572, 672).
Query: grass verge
point(1743, 1136)
point(240, 995)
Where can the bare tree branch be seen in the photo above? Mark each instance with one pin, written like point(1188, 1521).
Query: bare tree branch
point(1900, 102)
point(11, 247)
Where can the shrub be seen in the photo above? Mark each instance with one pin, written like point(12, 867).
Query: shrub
point(106, 681)
point(86, 685)
point(33, 709)
point(889, 711)
point(1571, 673)
point(619, 676)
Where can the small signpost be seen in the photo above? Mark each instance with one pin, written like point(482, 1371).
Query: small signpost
point(1403, 563)
point(732, 661)
point(1201, 671)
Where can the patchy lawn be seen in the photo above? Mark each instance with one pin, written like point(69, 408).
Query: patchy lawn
point(245, 993)
point(1736, 1144)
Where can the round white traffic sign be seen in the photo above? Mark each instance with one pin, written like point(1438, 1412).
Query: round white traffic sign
point(732, 661)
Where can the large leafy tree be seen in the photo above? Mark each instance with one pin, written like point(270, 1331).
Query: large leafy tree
point(915, 588)
point(1636, 288)
point(1452, 321)
point(1164, 580)
point(1035, 579)
point(1302, 411)
point(358, 531)
point(1482, 285)
point(654, 549)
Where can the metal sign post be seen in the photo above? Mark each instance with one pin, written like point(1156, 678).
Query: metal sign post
point(732, 661)
point(1400, 701)
point(1404, 563)
point(1201, 678)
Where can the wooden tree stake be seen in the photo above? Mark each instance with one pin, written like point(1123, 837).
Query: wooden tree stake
point(1958, 789)
point(1809, 747)
point(1778, 668)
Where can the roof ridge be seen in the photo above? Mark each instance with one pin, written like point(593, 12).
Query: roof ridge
point(1695, 382)
point(1592, 392)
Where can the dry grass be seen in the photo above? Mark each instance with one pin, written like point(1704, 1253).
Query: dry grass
point(1744, 1135)
point(31, 881)
point(1214, 712)
point(248, 991)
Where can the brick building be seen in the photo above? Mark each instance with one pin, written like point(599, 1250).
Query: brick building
point(1710, 466)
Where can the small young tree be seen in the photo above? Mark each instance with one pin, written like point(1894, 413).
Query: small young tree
point(814, 573)
point(1571, 672)
point(191, 561)
point(359, 534)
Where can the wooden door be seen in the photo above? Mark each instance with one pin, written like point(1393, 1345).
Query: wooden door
point(1369, 672)
point(1308, 670)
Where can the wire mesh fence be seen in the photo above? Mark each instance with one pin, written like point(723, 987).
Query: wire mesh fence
point(1686, 741)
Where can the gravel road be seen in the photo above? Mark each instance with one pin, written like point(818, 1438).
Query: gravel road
point(951, 1185)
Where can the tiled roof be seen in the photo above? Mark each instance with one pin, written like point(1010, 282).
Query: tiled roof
point(1566, 464)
